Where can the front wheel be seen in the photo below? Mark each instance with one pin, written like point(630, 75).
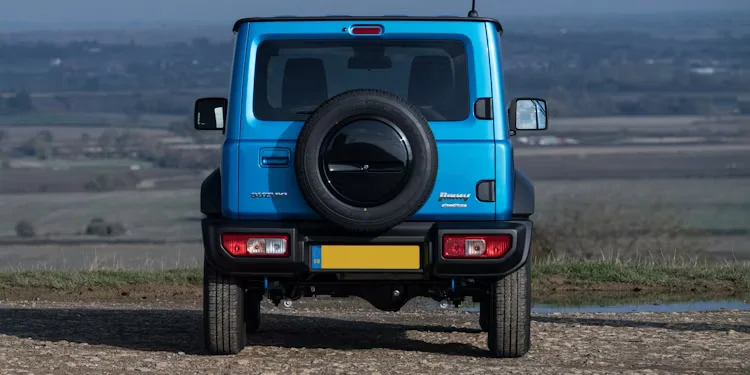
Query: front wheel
point(509, 314)
point(223, 312)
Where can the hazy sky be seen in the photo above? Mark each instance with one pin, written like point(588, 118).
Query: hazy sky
point(96, 13)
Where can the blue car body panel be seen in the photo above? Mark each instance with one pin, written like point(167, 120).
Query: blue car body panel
point(503, 147)
point(469, 151)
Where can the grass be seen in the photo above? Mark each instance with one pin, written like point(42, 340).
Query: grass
point(670, 275)
point(69, 280)
point(548, 276)
point(642, 219)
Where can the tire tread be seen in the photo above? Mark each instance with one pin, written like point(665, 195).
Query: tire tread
point(223, 319)
point(509, 330)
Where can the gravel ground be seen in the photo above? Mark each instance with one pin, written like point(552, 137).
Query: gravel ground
point(64, 338)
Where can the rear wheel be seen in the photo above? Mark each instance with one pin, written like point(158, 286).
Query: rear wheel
point(223, 312)
point(509, 314)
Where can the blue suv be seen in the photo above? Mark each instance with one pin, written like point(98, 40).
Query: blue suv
point(368, 157)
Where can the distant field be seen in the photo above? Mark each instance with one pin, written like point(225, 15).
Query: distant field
point(638, 123)
point(44, 166)
point(64, 133)
point(741, 96)
point(94, 123)
point(81, 93)
point(581, 219)
point(670, 217)
point(167, 214)
point(721, 205)
point(588, 205)
point(91, 120)
point(65, 181)
point(648, 124)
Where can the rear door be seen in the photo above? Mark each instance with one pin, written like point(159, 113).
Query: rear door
point(295, 66)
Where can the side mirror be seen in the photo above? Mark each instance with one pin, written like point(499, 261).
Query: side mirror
point(527, 114)
point(210, 113)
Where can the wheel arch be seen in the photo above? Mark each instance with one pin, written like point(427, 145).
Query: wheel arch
point(211, 194)
point(523, 195)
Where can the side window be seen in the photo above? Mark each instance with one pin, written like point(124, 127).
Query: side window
point(273, 82)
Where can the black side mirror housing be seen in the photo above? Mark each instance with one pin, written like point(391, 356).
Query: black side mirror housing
point(527, 114)
point(210, 113)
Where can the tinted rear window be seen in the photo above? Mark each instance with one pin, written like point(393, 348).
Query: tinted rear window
point(293, 77)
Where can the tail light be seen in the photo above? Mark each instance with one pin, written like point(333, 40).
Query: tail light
point(366, 30)
point(474, 246)
point(255, 245)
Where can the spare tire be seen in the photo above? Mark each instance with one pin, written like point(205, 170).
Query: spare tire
point(366, 160)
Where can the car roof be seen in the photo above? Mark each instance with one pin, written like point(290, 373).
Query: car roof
point(367, 18)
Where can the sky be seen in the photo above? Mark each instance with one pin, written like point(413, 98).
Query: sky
point(71, 14)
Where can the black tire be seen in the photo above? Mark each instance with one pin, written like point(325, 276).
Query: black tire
point(223, 312)
point(420, 179)
point(484, 315)
point(509, 331)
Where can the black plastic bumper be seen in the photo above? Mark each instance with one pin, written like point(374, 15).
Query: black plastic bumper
point(426, 234)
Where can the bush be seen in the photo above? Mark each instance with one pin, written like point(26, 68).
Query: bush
point(611, 230)
point(111, 182)
point(25, 229)
point(100, 227)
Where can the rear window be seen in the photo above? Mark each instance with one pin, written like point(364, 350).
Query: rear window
point(293, 77)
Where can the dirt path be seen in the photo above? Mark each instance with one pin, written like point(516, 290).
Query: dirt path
point(60, 338)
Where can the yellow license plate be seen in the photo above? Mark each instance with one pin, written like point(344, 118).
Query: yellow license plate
point(366, 257)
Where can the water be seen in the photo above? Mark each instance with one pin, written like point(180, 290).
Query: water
point(625, 306)
point(666, 307)
point(604, 302)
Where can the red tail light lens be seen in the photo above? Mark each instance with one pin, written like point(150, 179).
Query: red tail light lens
point(255, 245)
point(464, 246)
point(366, 30)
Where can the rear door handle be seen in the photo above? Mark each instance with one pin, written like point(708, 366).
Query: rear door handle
point(274, 157)
point(275, 160)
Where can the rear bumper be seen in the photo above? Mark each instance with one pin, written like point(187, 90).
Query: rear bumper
point(304, 234)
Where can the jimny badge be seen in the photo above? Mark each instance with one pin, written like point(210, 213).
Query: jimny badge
point(453, 197)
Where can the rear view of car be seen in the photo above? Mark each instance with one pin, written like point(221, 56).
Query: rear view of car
point(368, 157)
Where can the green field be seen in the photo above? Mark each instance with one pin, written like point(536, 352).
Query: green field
point(146, 214)
point(601, 219)
point(548, 276)
point(646, 218)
